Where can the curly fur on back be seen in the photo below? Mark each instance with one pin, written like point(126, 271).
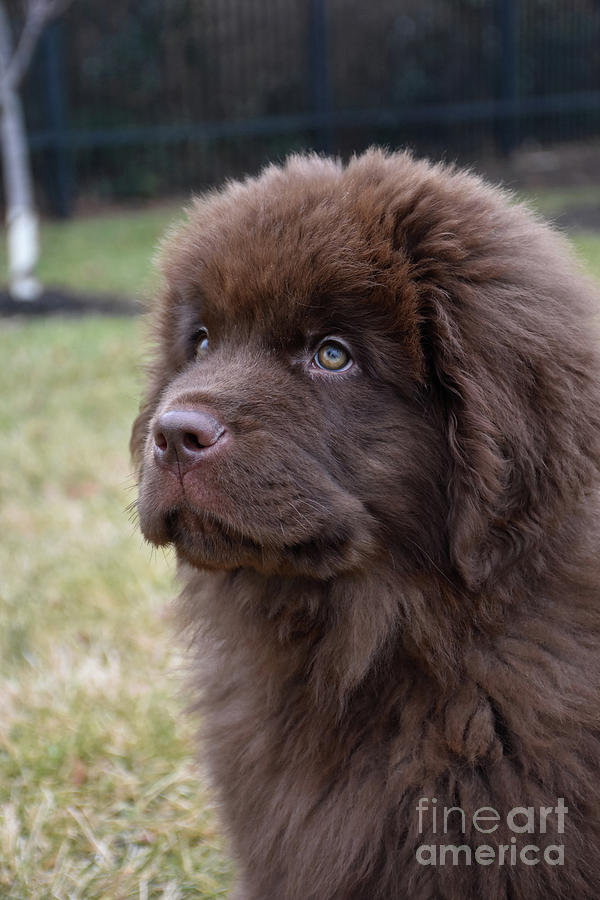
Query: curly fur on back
point(391, 575)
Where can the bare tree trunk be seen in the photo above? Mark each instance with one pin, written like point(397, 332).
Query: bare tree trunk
point(21, 217)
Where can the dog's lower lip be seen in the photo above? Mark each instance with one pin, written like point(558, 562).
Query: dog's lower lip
point(199, 520)
point(198, 523)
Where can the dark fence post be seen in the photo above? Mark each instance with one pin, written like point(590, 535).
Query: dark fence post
point(508, 84)
point(58, 158)
point(319, 74)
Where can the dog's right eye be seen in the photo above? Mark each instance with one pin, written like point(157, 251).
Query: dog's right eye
point(332, 356)
point(200, 343)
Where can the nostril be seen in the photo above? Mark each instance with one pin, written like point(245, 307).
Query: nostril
point(192, 442)
point(161, 441)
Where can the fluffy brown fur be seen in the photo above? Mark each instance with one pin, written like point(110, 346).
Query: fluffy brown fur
point(391, 573)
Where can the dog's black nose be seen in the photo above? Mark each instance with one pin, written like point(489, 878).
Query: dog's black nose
point(182, 437)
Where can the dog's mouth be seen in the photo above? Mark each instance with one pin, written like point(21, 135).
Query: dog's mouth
point(201, 537)
point(202, 534)
point(207, 541)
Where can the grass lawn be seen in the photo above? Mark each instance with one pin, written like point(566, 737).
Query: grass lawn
point(101, 253)
point(99, 796)
point(587, 246)
point(99, 799)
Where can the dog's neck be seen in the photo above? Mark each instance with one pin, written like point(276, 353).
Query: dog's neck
point(341, 635)
point(349, 632)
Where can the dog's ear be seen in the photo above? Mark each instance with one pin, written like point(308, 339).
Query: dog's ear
point(480, 466)
point(522, 429)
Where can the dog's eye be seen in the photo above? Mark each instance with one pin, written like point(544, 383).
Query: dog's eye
point(333, 357)
point(201, 343)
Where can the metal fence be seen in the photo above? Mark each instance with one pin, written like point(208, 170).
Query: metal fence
point(133, 98)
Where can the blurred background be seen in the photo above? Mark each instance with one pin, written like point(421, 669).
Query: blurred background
point(147, 99)
point(113, 113)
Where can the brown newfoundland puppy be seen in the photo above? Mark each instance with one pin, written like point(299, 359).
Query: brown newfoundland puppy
point(372, 434)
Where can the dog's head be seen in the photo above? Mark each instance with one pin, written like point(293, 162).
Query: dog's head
point(385, 361)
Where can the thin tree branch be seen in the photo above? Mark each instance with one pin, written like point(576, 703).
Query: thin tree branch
point(39, 13)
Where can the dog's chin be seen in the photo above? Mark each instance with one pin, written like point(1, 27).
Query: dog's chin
point(199, 538)
point(206, 542)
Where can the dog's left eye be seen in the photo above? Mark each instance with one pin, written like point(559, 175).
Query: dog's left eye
point(333, 357)
point(200, 343)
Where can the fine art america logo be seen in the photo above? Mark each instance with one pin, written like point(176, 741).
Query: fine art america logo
point(521, 820)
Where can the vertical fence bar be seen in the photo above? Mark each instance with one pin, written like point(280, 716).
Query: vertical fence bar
point(508, 74)
point(59, 164)
point(319, 74)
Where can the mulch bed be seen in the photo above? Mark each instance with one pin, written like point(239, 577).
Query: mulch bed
point(63, 303)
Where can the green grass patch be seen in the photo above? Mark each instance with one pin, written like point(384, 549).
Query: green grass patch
point(99, 795)
point(587, 247)
point(109, 253)
point(552, 201)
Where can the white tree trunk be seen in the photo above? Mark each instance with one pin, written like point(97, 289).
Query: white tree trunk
point(21, 217)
